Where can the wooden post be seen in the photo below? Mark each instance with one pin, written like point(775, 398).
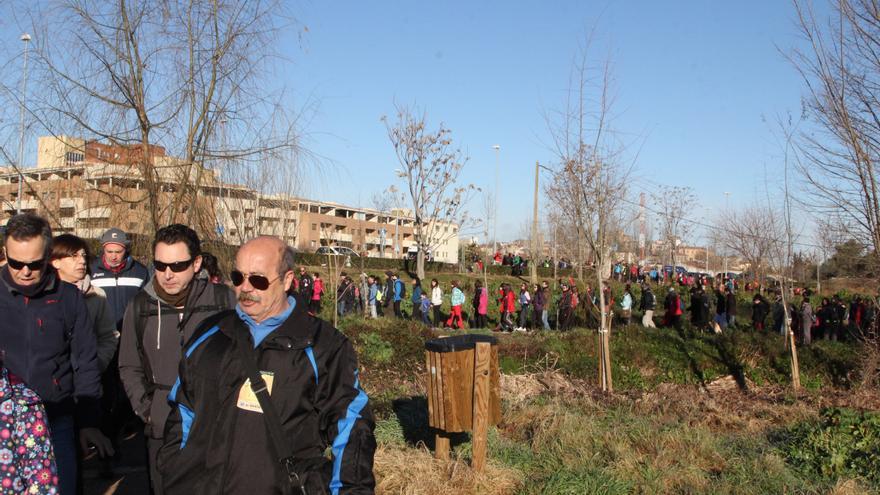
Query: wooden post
point(441, 446)
point(482, 355)
point(607, 348)
point(795, 369)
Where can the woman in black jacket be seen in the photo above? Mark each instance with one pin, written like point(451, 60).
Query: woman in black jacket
point(760, 309)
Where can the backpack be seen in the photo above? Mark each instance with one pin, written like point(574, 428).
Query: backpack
point(143, 309)
point(379, 295)
point(574, 299)
point(402, 289)
point(652, 299)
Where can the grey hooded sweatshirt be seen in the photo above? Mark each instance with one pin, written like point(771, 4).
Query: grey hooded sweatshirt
point(149, 368)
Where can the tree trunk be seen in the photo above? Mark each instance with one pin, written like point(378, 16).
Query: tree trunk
point(420, 263)
point(604, 334)
point(789, 336)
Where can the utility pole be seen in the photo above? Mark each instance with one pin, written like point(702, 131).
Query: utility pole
point(26, 38)
point(533, 263)
point(497, 148)
point(555, 254)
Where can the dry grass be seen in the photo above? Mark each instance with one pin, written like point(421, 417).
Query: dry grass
point(414, 471)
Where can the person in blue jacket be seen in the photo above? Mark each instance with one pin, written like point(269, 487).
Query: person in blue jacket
point(399, 291)
point(416, 300)
point(47, 341)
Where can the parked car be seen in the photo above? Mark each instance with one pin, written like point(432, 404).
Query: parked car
point(413, 251)
point(337, 251)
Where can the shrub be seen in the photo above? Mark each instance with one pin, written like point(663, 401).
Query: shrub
point(843, 443)
point(375, 350)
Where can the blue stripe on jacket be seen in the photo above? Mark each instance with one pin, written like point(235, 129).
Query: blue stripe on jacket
point(343, 428)
point(187, 416)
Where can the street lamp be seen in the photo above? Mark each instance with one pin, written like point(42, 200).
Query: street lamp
point(26, 38)
point(497, 148)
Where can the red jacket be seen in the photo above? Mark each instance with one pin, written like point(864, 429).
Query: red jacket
point(317, 289)
point(510, 302)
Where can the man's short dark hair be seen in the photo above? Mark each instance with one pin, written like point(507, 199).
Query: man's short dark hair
point(25, 226)
point(288, 262)
point(174, 233)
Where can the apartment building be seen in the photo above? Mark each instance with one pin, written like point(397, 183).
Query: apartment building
point(85, 187)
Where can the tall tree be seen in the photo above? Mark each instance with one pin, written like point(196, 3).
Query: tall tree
point(163, 76)
point(589, 179)
point(840, 67)
point(430, 166)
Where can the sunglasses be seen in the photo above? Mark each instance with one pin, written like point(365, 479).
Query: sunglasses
point(32, 265)
point(259, 282)
point(176, 267)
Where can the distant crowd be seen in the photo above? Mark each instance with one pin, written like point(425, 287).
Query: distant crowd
point(695, 299)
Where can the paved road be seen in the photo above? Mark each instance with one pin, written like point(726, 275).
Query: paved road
point(129, 472)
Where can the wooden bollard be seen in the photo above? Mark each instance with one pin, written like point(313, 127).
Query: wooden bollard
point(463, 391)
point(482, 355)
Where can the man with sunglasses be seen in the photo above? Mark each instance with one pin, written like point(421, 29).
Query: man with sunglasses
point(217, 439)
point(46, 341)
point(157, 324)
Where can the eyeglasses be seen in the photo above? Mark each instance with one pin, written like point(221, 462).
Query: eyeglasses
point(259, 282)
point(176, 267)
point(31, 265)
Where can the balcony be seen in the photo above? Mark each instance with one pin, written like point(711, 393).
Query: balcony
point(96, 212)
point(339, 237)
point(71, 202)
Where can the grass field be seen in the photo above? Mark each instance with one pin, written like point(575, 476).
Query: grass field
point(691, 413)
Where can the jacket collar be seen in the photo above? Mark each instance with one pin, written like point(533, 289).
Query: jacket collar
point(45, 284)
point(294, 331)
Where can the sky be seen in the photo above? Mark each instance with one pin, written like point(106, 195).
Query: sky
point(699, 88)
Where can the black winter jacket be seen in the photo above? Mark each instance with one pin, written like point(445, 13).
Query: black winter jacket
point(120, 287)
point(46, 340)
point(212, 446)
point(148, 368)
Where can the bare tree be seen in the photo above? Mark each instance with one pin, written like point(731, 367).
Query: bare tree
point(673, 206)
point(751, 233)
point(383, 203)
point(841, 70)
point(589, 180)
point(782, 247)
point(430, 166)
point(160, 76)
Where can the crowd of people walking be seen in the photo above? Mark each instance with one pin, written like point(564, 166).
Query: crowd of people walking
point(692, 301)
point(94, 347)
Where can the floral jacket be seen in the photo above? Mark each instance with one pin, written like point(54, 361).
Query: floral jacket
point(27, 464)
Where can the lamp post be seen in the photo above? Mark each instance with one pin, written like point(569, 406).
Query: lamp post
point(726, 211)
point(26, 38)
point(497, 148)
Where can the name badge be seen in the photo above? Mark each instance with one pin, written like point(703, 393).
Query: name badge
point(247, 400)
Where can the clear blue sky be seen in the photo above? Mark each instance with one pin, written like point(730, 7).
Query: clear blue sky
point(698, 85)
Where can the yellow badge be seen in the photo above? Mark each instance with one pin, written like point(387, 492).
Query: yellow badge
point(247, 400)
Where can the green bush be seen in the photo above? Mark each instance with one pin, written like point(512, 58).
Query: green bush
point(375, 350)
point(843, 443)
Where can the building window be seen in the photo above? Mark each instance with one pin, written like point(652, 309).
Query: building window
point(72, 157)
point(314, 227)
point(313, 243)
